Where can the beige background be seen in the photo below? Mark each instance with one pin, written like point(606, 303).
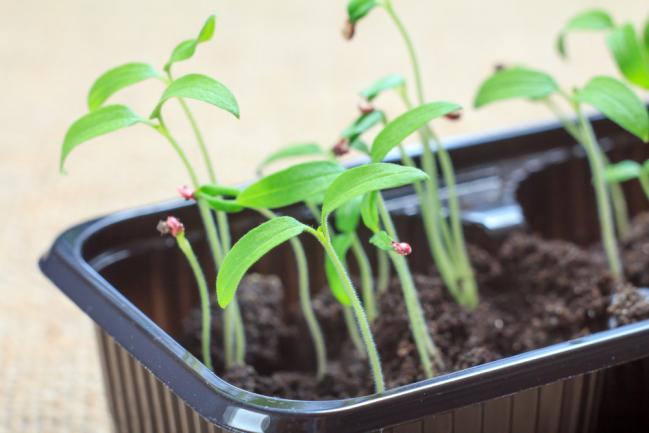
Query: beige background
point(295, 79)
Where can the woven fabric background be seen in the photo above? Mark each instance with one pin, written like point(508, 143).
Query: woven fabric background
point(296, 80)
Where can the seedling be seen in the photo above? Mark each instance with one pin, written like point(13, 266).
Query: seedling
point(445, 237)
point(629, 48)
point(610, 96)
point(103, 119)
point(172, 226)
point(260, 240)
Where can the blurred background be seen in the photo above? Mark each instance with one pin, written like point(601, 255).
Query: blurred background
point(296, 80)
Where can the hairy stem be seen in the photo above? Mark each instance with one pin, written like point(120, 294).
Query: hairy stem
point(425, 345)
point(620, 208)
point(597, 166)
point(359, 312)
point(367, 280)
point(186, 248)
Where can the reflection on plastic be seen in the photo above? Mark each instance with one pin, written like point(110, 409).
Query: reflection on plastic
point(246, 420)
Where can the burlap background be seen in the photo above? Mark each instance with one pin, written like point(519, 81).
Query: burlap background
point(295, 79)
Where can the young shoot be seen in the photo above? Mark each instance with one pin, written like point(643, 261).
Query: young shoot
point(445, 237)
point(260, 240)
point(172, 226)
point(625, 171)
point(611, 97)
point(102, 119)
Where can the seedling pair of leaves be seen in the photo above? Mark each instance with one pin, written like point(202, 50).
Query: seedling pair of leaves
point(629, 48)
point(103, 119)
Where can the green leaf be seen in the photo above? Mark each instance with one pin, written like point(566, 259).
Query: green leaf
point(358, 144)
point(201, 88)
point(291, 185)
point(348, 215)
point(400, 128)
point(591, 20)
point(367, 178)
point(385, 83)
point(116, 79)
point(213, 196)
point(99, 122)
point(645, 167)
point(622, 171)
point(292, 151)
point(630, 56)
point(248, 250)
point(362, 124)
point(382, 241)
point(370, 211)
point(617, 102)
point(357, 9)
point(187, 48)
point(341, 244)
point(516, 82)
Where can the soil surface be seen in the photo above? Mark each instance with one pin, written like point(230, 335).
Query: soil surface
point(534, 293)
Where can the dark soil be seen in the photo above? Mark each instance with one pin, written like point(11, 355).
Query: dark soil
point(533, 292)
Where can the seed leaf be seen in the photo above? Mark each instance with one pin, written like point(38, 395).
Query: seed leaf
point(362, 124)
point(386, 83)
point(516, 82)
point(369, 211)
point(617, 102)
point(114, 80)
point(248, 250)
point(400, 128)
point(201, 88)
point(213, 196)
point(357, 9)
point(99, 122)
point(348, 215)
point(341, 244)
point(590, 20)
point(358, 144)
point(187, 48)
point(622, 171)
point(292, 151)
point(630, 56)
point(382, 241)
point(214, 190)
point(367, 178)
point(291, 185)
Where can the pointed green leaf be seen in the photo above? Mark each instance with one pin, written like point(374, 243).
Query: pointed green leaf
point(291, 185)
point(248, 250)
point(380, 86)
point(630, 56)
point(187, 48)
point(99, 122)
point(400, 128)
point(617, 102)
point(362, 124)
point(622, 171)
point(201, 88)
point(213, 196)
point(516, 82)
point(292, 151)
point(590, 20)
point(116, 79)
point(370, 211)
point(357, 9)
point(367, 178)
point(348, 215)
point(358, 144)
point(382, 241)
point(341, 244)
